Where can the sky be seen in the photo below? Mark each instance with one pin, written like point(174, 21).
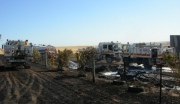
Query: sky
point(88, 22)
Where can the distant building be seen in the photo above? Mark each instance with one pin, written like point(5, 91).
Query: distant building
point(175, 42)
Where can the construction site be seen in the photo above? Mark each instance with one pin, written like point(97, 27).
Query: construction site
point(110, 73)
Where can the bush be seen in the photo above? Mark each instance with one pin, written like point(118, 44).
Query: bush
point(63, 58)
point(174, 63)
point(86, 57)
point(36, 55)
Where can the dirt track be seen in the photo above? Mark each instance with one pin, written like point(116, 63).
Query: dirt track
point(41, 86)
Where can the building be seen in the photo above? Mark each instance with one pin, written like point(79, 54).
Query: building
point(175, 42)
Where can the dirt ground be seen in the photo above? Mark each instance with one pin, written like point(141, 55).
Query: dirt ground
point(39, 85)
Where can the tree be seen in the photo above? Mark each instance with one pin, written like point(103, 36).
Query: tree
point(63, 58)
point(36, 55)
point(87, 60)
point(174, 63)
point(86, 57)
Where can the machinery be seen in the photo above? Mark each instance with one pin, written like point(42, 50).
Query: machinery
point(142, 53)
point(46, 49)
point(43, 48)
point(17, 53)
point(47, 52)
point(109, 51)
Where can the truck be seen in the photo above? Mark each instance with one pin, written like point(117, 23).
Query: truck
point(109, 51)
point(46, 52)
point(45, 48)
point(17, 53)
point(143, 53)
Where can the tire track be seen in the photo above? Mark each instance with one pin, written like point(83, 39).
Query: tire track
point(32, 89)
point(65, 87)
point(19, 86)
point(1, 80)
point(44, 89)
point(36, 90)
point(16, 88)
point(3, 87)
point(27, 85)
point(26, 75)
point(19, 81)
point(2, 83)
point(57, 92)
point(8, 89)
point(21, 78)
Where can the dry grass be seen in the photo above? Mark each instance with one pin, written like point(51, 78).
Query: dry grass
point(73, 48)
point(1, 51)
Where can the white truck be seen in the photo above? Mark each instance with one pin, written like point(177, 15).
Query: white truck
point(109, 51)
point(45, 48)
point(143, 53)
point(17, 53)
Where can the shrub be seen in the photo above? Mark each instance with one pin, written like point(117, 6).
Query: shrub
point(86, 57)
point(36, 55)
point(174, 63)
point(63, 58)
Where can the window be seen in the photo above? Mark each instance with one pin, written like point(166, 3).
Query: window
point(104, 46)
point(154, 53)
point(110, 47)
point(117, 47)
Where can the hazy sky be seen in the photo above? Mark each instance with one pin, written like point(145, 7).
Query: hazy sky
point(88, 22)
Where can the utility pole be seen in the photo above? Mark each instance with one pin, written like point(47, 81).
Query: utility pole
point(0, 39)
point(93, 70)
point(160, 83)
point(124, 61)
point(160, 88)
point(124, 70)
point(46, 59)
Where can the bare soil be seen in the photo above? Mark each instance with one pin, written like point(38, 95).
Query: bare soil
point(39, 85)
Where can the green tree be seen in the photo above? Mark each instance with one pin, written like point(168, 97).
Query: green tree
point(86, 57)
point(174, 63)
point(63, 58)
point(36, 55)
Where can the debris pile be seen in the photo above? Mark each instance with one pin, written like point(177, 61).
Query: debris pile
point(72, 65)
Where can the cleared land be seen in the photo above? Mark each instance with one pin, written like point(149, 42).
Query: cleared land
point(40, 85)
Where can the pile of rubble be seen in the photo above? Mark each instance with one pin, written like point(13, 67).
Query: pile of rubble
point(139, 74)
point(72, 65)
